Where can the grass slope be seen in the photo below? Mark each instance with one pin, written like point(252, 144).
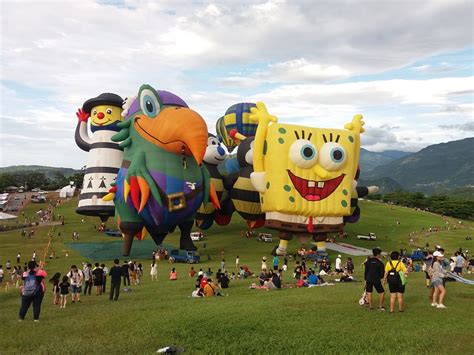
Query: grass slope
point(317, 320)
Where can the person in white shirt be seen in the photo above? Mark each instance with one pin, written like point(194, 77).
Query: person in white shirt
point(106, 272)
point(339, 264)
point(75, 278)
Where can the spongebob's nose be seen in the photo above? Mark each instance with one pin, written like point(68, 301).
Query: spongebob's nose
point(320, 171)
point(100, 115)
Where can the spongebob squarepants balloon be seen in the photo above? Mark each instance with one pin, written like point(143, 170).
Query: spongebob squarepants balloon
point(105, 157)
point(304, 175)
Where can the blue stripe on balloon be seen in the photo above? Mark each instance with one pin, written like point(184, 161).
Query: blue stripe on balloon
point(238, 117)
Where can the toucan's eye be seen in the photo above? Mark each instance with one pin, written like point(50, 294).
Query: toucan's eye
point(109, 111)
point(149, 103)
point(303, 153)
point(333, 156)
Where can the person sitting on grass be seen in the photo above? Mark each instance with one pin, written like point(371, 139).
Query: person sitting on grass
point(224, 280)
point(313, 279)
point(302, 282)
point(173, 275)
point(198, 292)
point(209, 290)
point(263, 277)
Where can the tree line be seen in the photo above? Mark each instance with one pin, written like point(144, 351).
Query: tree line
point(34, 179)
point(452, 206)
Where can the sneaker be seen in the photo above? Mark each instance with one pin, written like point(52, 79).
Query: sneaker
point(441, 306)
point(382, 309)
point(36, 320)
point(434, 304)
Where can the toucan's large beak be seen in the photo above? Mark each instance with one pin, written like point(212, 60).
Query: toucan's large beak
point(175, 129)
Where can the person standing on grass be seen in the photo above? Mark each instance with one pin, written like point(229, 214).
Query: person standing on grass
point(437, 280)
point(18, 258)
point(339, 264)
point(153, 271)
point(32, 291)
point(350, 266)
point(1, 274)
point(139, 272)
point(125, 274)
point(395, 284)
point(106, 272)
point(115, 280)
point(237, 262)
point(98, 275)
point(56, 280)
point(87, 272)
point(373, 275)
point(459, 262)
point(173, 275)
point(223, 264)
point(75, 278)
point(64, 289)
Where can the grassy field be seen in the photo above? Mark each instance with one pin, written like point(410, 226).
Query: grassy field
point(316, 320)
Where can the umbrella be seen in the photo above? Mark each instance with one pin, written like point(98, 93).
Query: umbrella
point(5, 216)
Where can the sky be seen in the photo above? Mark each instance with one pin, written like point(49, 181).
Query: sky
point(406, 65)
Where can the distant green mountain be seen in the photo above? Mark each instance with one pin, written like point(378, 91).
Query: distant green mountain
point(370, 160)
point(49, 171)
point(434, 168)
point(385, 184)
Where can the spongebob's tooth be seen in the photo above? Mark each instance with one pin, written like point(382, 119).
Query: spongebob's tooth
point(311, 183)
point(320, 184)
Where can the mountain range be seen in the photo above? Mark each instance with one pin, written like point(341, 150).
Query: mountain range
point(439, 168)
point(436, 168)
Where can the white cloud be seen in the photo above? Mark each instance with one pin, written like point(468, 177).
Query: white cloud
point(68, 51)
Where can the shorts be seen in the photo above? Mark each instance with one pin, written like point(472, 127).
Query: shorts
point(458, 270)
point(396, 288)
point(76, 289)
point(437, 282)
point(369, 286)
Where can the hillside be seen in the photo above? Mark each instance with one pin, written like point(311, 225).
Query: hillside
point(49, 171)
point(370, 160)
point(436, 167)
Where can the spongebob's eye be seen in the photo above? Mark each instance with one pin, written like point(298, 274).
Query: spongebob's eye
point(109, 111)
point(303, 153)
point(149, 103)
point(332, 156)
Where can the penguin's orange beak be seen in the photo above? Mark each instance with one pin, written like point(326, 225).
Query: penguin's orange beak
point(177, 130)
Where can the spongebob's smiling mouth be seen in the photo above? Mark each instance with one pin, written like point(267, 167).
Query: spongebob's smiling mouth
point(312, 190)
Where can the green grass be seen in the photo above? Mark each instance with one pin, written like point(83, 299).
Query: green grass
point(317, 320)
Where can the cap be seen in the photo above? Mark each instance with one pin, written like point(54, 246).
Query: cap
point(339, 256)
point(438, 253)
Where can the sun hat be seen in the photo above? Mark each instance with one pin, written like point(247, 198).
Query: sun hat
point(438, 253)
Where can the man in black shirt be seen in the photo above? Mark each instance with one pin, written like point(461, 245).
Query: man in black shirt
point(125, 274)
point(115, 280)
point(374, 273)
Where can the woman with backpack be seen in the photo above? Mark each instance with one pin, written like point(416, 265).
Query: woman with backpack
point(395, 275)
point(32, 291)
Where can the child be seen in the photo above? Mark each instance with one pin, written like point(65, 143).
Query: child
point(153, 271)
point(139, 273)
point(56, 289)
point(173, 275)
point(64, 289)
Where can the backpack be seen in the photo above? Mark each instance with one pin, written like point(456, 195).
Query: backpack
point(393, 276)
point(31, 286)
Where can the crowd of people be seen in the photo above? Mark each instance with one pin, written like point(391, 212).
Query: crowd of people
point(93, 277)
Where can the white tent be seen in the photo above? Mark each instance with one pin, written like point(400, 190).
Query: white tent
point(67, 191)
point(5, 216)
